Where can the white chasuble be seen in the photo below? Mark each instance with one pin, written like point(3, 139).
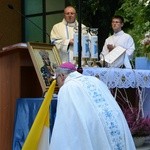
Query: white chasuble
point(88, 117)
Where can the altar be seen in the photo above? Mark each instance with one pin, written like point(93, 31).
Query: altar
point(120, 78)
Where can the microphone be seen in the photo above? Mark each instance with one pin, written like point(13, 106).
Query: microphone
point(10, 6)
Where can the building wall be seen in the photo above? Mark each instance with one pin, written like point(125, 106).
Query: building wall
point(10, 33)
point(10, 23)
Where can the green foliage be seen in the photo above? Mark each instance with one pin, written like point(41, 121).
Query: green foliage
point(136, 14)
point(95, 13)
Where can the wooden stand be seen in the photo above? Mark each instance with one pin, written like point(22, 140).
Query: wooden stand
point(18, 79)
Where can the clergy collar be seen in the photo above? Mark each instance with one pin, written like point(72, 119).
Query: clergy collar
point(70, 24)
point(119, 33)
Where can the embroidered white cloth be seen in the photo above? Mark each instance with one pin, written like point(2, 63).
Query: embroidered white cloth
point(88, 117)
point(121, 78)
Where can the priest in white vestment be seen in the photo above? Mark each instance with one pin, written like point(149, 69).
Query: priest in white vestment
point(88, 117)
point(62, 34)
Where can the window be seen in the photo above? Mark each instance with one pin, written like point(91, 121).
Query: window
point(40, 16)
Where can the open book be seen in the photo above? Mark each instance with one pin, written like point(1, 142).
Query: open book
point(115, 58)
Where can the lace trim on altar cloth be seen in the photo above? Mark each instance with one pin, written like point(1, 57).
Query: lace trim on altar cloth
point(121, 78)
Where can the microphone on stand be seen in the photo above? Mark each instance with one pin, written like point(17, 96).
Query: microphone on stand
point(10, 6)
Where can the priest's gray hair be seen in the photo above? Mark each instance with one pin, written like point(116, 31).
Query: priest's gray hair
point(65, 71)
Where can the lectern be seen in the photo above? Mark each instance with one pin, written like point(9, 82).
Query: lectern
point(18, 78)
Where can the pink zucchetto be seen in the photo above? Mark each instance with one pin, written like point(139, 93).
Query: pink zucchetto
point(68, 65)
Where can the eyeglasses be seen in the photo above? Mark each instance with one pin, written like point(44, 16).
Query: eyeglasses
point(115, 22)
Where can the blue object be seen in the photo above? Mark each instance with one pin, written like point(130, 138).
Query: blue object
point(26, 111)
point(142, 63)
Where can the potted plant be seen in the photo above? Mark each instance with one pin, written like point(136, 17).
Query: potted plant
point(139, 125)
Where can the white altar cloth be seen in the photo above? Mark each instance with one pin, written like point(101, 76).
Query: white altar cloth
point(120, 77)
point(125, 78)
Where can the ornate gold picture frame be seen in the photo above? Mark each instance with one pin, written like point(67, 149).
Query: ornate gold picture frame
point(45, 59)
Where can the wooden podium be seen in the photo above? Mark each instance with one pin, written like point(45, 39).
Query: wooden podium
point(18, 79)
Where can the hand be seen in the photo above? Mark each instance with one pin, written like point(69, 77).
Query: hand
point(110, 47)
point(71, 42)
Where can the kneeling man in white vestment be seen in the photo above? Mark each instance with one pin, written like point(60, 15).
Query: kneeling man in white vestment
point(88, 117)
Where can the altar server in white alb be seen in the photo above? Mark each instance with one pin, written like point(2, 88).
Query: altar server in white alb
point(119, 38)
point(62, 34)
point(88, 117)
